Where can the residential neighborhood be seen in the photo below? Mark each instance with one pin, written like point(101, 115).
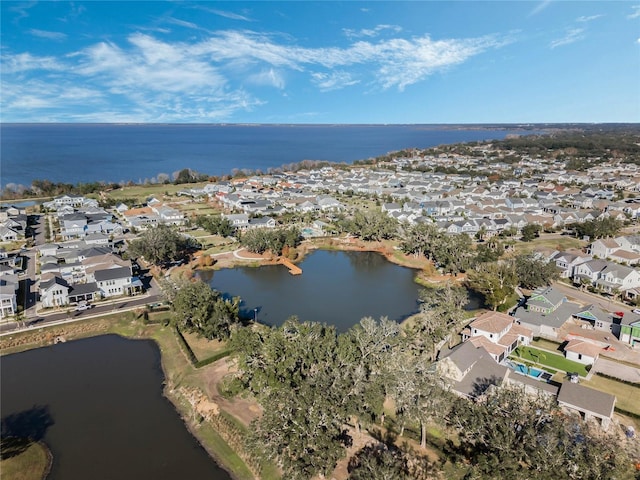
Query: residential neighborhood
point(63, 257)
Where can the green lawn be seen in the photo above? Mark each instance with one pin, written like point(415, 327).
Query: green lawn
point(556, 362)
point(560, 243)
point(627, 395)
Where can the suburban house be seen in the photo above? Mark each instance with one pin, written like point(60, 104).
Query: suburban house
point(545, 300)
point(582, 350)
point(113, 282)
point(497, 333)
point(8, 293)
point(630, 333)
point(54, 292)
point(471, 370)
point(589, 403)
point(567, 261)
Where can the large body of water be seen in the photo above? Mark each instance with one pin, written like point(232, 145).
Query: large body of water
point(75, 153)
point(103, 396)
point(338, 288)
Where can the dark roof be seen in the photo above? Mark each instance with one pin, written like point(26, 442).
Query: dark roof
point(112, 274)
point(53, 281)
point(83, 289)
point(485, 373)
point(587, 399)
point(465, 355)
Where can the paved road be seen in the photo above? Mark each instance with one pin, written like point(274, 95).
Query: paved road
point(122, 305)
point(586, 298)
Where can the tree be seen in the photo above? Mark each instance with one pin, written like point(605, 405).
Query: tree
point(216, 225)
point(160, 245)
point(494, 281)
point(260, 240)
point(509, 433)
point(598, 228)
point(292, 370)
point(530, 232)
point(441, 317)
point(198, 308)
point(371, 226)
point(387, 462)
point(534, 272)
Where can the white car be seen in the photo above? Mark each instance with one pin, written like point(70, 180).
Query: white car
point(636, 311)
point(83, 306)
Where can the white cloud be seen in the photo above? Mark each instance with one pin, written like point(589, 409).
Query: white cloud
point(205, 80)
point(636, 12)
point(268, 77)
point(572, 35)
point(24, 62)
point(182, 23)
point(371, 32)
point(584, 19)
point(59, 36)
point(225, 14)
point(333, 81)
point(539, 7)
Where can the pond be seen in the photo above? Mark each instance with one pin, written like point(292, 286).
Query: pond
point(98, 405)
point(336, 287)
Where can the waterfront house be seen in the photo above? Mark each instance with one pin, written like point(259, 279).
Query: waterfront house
point(497, 333)
point(54, 292)
point(113, 282)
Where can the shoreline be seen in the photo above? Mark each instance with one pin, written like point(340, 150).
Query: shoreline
point(173, 361)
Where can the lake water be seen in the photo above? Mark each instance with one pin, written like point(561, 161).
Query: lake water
point(73, 153)
point(110, 420)
point(336, 287)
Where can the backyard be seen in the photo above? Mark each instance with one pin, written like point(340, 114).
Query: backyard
point(548, 359)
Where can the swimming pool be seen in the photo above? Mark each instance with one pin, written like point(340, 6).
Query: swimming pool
point(532, 372)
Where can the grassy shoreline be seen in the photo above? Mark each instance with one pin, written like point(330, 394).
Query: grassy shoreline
point(34, 463)
point(177, 370)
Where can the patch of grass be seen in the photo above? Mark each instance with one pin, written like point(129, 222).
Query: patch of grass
point(546, 359)
point(546, 344)
point(201, 347)
point(627, 395)
point(223, 454)
point(31, 464)
point(561, 243)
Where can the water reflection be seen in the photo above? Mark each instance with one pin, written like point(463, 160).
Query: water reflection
point(111, 420)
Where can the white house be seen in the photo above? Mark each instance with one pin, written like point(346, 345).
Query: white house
point(54, 292)
point(113, 282)
point(497, 333)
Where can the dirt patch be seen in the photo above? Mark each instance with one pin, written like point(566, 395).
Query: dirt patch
point(244, 409)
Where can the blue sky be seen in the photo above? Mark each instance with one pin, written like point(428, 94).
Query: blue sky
point(320, 62)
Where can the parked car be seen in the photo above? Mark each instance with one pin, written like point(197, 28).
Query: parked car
point(636, 310)
point(82, 306)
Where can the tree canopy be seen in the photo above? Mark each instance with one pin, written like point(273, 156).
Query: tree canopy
point(161, 245)
point(197, 308)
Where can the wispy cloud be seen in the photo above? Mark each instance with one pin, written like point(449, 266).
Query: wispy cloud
point(225, 14)
point(539, 7)
point(268, 77)
point(58, 36)
point(590, 18)
point(212, 78)
point(636, 12)
point(571, 35)
point(22, 10)
point(182, 23)
point(371, 32)
point(25, 62)
point(333, 80)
